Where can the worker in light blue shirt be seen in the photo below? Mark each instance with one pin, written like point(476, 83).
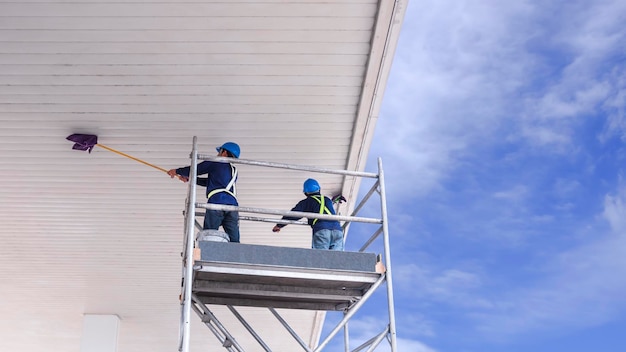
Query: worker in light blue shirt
point(220, 189)
point(327, 234)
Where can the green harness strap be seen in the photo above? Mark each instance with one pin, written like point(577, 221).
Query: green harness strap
point(323, 207)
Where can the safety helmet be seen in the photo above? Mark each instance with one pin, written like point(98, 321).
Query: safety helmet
point(231, 147)
point(310, 186)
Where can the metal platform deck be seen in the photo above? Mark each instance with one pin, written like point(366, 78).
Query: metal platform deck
point(278, 277)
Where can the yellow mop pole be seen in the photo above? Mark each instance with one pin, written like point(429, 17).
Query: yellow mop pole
point(130, 157)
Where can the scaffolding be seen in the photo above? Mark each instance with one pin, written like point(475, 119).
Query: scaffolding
point(279, 277)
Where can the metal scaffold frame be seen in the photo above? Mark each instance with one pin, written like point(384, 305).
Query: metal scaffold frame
point(192, 270)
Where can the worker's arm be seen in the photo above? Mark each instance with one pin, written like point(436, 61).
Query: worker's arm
point(202, 181)
point(299, 207)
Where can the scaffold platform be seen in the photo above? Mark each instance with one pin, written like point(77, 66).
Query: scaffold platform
point(279, 277)
point(237, 274)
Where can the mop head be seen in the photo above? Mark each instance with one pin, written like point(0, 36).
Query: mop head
point(83, 141)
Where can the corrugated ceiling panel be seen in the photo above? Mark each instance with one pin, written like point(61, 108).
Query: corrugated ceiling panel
point(99, 233)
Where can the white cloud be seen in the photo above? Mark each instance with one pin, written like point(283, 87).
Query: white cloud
point(452, 76)
point(473, 79)
point(591, 79)
point(567, 290)
point(452, 286)
point(468, 76)
point(404, 344)
point(581, 291)
point(577, 288)
point(615, 211)
point(363, 329)
point(413, 346)
point(564, 187)
point(542, 135)
point(615, 107)
point(515, 194)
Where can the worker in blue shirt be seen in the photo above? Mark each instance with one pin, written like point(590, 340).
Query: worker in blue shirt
point(220, 189)
point(327, 234)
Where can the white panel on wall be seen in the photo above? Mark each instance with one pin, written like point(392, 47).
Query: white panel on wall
point(100, 333)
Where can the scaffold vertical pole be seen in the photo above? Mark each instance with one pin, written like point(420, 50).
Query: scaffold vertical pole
point(346, 336)
point(188, 260)
point(383, 210)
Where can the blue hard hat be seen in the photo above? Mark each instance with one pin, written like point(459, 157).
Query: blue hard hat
point(231, 147)
point(310, 186)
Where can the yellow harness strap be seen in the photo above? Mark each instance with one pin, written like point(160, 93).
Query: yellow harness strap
point(231, 184)
point(323, 208)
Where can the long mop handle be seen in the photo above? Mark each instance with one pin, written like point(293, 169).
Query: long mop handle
point(130, 157)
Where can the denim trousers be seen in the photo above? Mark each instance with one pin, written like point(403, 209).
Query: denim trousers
point(229, 220)
point(328, 239)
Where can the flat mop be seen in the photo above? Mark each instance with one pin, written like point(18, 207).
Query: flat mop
point(88, 141)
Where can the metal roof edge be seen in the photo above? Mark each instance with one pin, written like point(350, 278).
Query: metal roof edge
point(385, 38)
point(384, 41)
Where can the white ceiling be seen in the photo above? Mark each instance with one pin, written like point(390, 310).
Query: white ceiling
point(290, 81)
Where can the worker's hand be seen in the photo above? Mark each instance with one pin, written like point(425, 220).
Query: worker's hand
point(173, 174)
point(276, 228)
point(338, 199)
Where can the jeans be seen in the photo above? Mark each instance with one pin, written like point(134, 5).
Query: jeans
point(328, 239)
point(229, 220)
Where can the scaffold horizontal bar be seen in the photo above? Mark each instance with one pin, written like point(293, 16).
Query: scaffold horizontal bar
point(227, 289)
point(297, 214)
point(287, 166)
point(245, 302)
point(270, 220)
point(285, 272)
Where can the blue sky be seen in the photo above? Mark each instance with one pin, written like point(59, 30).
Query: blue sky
point(502, 137)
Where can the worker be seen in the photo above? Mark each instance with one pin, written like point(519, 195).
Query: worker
point(220, 189)
point(327, 234)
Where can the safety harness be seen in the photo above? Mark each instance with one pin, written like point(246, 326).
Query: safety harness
point(323, 208)
point(231, 184)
